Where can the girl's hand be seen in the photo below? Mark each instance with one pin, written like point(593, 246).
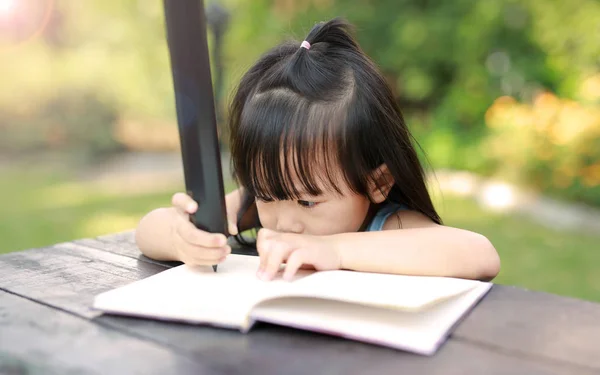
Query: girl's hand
point(296, 250)
point(192, 245)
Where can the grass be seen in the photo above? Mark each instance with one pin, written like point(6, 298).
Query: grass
point(42, 208)
point(533, 256)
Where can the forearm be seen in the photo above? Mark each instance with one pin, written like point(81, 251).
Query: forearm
point(431, 251)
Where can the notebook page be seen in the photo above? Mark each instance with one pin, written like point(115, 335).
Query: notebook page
point(420, 332)
point(196, 294)
point(390, 291)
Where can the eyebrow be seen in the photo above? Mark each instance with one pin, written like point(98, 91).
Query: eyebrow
point(307, 194)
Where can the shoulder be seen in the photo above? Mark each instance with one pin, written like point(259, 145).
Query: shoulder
point(407, 219)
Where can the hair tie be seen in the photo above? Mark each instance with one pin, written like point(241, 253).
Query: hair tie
point(305, 44)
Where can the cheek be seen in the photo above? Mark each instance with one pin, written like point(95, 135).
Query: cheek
point(339, 217)
point(266, 215)
point(356, 214)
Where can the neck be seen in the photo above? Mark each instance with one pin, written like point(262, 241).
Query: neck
point(373, 208)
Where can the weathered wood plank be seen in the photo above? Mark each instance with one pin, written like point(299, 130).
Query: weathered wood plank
point(36, 339)
point(536, 323)
point(124, 244)
point(126, 237)
point(69, 276)
point(125, 249)
point(271, 349)
point(121, 248)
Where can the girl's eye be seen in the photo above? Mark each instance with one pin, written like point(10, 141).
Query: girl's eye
point(264, 199)
point(307, 204)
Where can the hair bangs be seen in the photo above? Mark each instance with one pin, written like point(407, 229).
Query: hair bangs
point(308, 120)
point(288, 147)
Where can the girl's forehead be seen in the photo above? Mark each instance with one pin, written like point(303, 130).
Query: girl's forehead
point(324, 172)
point(296, 176)
point(317, 162)
point(285, 145)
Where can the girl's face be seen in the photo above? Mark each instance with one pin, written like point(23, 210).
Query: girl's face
point(329, 213)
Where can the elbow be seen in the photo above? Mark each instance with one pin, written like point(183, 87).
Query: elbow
point(144, 230)
point(139, 237)
point(489, 260)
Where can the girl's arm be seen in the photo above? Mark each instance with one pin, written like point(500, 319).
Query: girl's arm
point(420, 248)
point(153, 233)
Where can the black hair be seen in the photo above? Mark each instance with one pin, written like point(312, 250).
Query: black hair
point(300, 115)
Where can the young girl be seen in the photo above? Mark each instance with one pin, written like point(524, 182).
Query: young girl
point(327, 170)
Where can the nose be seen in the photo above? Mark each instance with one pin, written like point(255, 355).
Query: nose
point(288, 223)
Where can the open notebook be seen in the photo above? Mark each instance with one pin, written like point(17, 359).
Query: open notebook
point(412, 313)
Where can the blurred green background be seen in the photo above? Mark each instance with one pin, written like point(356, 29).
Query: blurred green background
point(503, 89)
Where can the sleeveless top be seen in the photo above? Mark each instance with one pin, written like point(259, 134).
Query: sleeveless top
point(381, 216)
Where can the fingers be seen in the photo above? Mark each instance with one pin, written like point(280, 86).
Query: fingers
point(232, 228)
point(293, 264)
point(203, 256)
point(265, 234)
point(195, 246)
point(262, 248)
point(273, 252)
point(296, 251)
point(278, 254)
point(199, 255)
point(184, 203)
point(189, 233)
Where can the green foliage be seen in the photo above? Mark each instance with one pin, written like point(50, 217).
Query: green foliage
point(108, 62)
point(76, 121)
point(553, 144)
point(447, 62)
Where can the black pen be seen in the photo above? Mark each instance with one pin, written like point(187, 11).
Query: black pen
point(186, 28)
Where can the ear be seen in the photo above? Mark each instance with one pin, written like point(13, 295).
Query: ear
point(380, 183)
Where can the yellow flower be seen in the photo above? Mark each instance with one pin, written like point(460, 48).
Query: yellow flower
point(591, 175)
point(590, 88)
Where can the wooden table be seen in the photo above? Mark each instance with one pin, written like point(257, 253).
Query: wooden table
point(47, 327)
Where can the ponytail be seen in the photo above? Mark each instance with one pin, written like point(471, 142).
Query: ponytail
point(314, 72)
point(336, 33)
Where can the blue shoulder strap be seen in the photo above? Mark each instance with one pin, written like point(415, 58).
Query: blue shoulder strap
point(382, 215)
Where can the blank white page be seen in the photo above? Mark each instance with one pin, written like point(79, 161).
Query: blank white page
point(225, 298)
point(385, 290)
point(420, 332)
point(196, 294)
